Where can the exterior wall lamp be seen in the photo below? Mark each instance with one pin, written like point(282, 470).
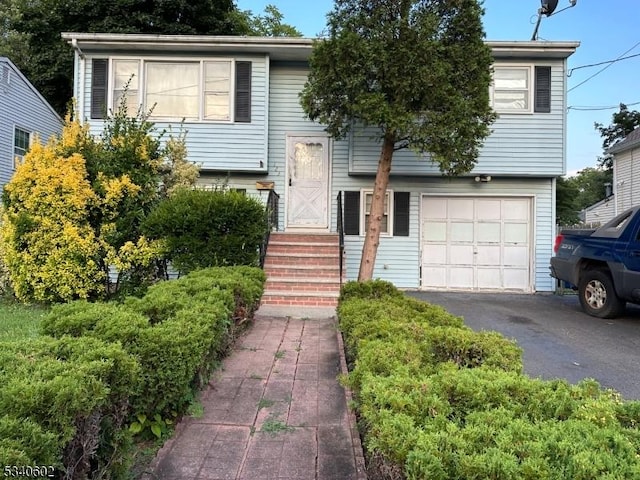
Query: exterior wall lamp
point(483, 178)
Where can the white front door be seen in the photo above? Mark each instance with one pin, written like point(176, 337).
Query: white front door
point(308, 182)
point(476, 243)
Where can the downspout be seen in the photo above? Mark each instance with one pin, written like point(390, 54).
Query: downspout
point(79, 73)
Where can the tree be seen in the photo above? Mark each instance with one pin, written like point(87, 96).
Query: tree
point(623, 123)
point(416, 71)
point(267, 25)
point(580, 191)
point(566, 194)
point(47, 60)
point(75, 207)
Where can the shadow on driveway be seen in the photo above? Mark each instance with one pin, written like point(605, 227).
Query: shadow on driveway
point(558, 339)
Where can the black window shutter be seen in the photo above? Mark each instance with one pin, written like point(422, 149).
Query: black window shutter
point(99, 82)
point(352, 213)
point(401, 214)
point(542, 100)
point(243, 92)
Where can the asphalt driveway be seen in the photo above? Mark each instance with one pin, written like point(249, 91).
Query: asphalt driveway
point(558, 339)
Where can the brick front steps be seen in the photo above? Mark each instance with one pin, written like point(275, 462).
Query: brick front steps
point(302, 269)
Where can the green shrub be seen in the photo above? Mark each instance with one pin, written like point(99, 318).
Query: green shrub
point(437, 400)
point(112, 370)
point(177, 331)
point(70, 396)
point(470, 349)
point(371, 290)
point(208, 228)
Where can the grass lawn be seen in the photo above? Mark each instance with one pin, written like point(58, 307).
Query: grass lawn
point(19, 321)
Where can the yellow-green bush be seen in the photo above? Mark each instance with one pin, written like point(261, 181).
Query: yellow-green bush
point(439, 401)
point(74, 207)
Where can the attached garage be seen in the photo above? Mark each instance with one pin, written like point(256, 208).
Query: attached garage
point(476, 243)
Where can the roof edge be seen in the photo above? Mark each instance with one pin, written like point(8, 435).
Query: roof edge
point(31, 87)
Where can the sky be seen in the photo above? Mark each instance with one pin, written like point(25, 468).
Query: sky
point(606, 29)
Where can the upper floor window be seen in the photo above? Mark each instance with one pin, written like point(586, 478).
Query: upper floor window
point(512, 89)
point(521, 89)
point(21, 143)
point(205, 90)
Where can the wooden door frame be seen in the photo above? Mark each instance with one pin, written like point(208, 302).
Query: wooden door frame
point(324, 138)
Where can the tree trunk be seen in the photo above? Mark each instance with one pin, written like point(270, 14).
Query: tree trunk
point(372, 238)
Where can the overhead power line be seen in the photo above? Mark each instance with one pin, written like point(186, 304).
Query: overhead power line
point(602, 69)
point(587, 108)
point(571, 70)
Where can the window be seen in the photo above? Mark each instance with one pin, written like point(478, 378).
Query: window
point(21, 142)
point(125, 81)
point(357, 208)
point(511, 90)
point(193, 90)
point(366, 203)
point(515, 90)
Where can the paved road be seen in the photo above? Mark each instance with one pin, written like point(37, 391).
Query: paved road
point(558, 339)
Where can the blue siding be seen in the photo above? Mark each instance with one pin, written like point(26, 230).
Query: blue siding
point(398, 258)
point(224, 147)
point(520, 144)
point(527, 148)
point(21, 106)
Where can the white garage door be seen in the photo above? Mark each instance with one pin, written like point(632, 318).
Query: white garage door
point(476, 243)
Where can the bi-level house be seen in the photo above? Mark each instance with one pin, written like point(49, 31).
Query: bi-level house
point(24, 116)
point(490, 230)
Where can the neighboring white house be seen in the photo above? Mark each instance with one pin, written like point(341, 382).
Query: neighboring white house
point(491, 229)
point(626, 171)
point(24, 115)
point(600, 212)
point(626, 181)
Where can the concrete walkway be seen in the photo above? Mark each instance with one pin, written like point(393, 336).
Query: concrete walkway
point(275, 410)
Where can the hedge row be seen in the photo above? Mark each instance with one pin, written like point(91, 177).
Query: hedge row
point(439, 401)
point(70, 398)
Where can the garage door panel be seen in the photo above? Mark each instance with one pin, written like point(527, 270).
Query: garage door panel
point(516, 209)
point(435, 208)
point(435, 276)
point(434, 231)
point(461, 209)
point(476, 243)
point(488, 209)
point(434, 255)
point(488, 255)
point(516, 279)
point(516, 233)
point(461, 255)
point(517, 256)
point(489, 232)
point(461, 232)
point(461, 277)
point(490, 277)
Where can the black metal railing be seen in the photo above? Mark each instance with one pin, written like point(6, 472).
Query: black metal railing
point(271, 221)
point(340, 228)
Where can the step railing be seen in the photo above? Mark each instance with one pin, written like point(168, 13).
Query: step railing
point(271, 221)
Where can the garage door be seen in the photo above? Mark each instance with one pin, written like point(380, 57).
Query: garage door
point(476, 243)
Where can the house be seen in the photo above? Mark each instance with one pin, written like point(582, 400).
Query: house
point(492, 229)
point(626, 171)
point(24, 116)
point(625, 191)
point(600, 212)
